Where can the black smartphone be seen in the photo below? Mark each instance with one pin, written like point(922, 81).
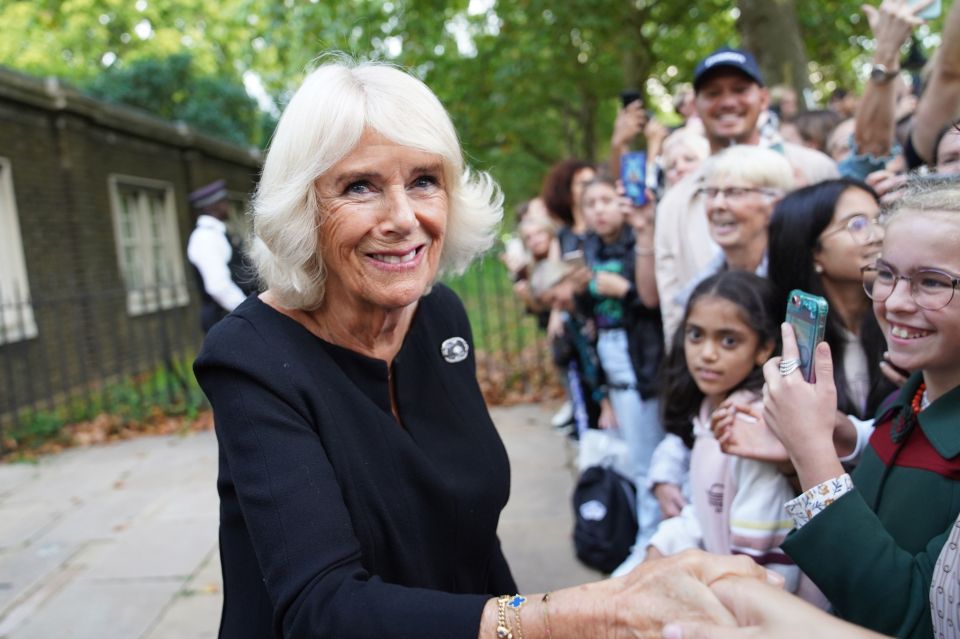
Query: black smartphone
point(629, 96)
point(807, 314)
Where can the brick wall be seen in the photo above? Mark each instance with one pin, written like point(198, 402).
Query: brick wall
point(62, 148)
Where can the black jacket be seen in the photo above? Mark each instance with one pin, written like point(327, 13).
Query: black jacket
point(336, 520)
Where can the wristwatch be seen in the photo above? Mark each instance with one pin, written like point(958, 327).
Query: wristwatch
point(880, 74)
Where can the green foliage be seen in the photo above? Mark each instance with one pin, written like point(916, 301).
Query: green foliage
point(527, 82)
point(499, 321)
point(171, 88)
point(127, 403)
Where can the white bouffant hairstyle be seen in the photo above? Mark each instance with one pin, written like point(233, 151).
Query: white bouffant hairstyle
point(320, 126)
point(757, 166)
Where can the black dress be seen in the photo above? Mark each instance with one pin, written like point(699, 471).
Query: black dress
point(335, 520)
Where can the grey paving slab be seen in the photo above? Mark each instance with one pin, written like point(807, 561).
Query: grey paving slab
point(194, 615)
point(156, 550)
point(536, 525)
point(19, 523)
point(195, 612)
point(23, 570)
point(91, 609)
point(100, 516)
point(12, 476)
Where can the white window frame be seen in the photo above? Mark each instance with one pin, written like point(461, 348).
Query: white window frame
point(17, 321)
point(147, 290)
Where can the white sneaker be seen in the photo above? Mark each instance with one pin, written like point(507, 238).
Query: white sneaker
point(563, 416)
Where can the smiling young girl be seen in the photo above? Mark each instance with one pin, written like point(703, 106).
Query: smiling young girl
point(870, 541)
point(729, 330)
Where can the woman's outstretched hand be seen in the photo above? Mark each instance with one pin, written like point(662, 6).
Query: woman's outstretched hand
point(678, 587)
point(762, 611)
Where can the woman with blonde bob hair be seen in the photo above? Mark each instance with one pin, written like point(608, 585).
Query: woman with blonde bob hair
point(361, 478)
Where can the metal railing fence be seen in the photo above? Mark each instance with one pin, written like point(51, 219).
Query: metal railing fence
point(88, 355)
point(84, 354)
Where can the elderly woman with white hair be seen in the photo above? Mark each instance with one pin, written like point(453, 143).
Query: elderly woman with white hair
point(742, 185)
point(361, 478)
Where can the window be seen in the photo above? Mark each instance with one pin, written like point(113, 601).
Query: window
point(16, 311)
point(148, 244)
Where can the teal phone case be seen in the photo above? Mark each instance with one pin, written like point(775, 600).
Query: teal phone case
point(807, 313)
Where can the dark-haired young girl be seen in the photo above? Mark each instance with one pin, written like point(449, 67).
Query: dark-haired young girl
point(736, 504)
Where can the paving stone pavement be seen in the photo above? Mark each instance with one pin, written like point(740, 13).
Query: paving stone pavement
point(120, 541)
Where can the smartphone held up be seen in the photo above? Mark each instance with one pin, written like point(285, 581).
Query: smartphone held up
point(929, 12)
point(807, 314)
point(629, 96)
point(633, 175)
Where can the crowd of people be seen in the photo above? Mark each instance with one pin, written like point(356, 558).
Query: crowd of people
point(664, 315)
point(361, 478)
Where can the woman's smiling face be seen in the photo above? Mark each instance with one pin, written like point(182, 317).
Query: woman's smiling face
point(918, 338)
point(382, 222)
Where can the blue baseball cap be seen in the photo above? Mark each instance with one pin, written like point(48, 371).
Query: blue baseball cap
point(727, 58)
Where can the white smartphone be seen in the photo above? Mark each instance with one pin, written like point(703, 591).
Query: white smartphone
point(931, 12)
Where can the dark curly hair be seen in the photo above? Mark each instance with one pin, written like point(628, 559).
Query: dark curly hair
point(556, 190)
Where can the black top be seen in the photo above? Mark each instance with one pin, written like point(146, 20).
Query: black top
point(335, 520)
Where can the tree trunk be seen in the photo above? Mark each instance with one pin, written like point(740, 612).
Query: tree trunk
point(588, 127)
point(769, 29)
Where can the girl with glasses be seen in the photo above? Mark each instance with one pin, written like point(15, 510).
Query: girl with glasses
point(821, 236)
point(871, 541)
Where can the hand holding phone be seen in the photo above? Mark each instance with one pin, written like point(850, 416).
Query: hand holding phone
point(807, 314)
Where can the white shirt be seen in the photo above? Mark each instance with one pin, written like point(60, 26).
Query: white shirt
point(210, 251)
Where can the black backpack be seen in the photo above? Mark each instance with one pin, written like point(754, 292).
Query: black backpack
point(605, 518)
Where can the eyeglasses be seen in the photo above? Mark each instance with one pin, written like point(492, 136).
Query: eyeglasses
point(931, 289)
point(733, 192)
point(861, 227)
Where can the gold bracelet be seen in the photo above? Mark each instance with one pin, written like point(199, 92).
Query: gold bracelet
point(546, 614)
point(503, 630)
point(515, 603)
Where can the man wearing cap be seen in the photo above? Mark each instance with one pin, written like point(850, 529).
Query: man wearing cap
point(730, 99)
point(217, 261)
